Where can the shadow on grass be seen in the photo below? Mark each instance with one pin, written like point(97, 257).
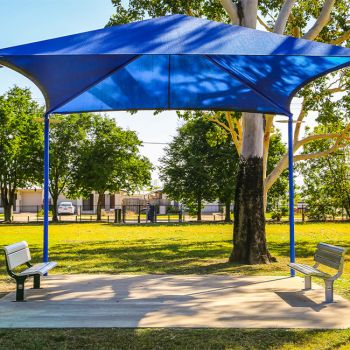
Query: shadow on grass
point(150, 256)
point(304, 249)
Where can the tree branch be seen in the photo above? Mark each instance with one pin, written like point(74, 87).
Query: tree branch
point(238, 124)
point(231, 10)
point(282, 164)
point(223, 125)
point(342, 38)
point(235, 137)
point(316, 137)
point(337, 89)
point(334, 148)
point(264, 24)
point(283, 16)
point(267, 135)
point(321, 21)
point(301, 117)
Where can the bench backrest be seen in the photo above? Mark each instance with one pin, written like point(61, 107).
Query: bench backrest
point(330, 255)
point(17, 254)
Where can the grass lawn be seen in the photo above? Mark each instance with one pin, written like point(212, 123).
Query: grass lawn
point(173, 249)
point(174, 339)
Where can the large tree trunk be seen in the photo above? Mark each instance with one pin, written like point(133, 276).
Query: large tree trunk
point(249, 237)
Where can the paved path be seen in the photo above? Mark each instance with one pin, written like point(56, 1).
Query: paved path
point(174, 301)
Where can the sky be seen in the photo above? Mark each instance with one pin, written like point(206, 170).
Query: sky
point(24, 21)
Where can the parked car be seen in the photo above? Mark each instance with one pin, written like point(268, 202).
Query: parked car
point(66, 208)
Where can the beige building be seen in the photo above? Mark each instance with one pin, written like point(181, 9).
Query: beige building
point(30, 200)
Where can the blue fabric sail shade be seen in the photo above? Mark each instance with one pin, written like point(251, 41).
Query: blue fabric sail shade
point(173, 62)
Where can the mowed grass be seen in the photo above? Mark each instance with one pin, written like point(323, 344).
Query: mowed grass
point(174, 339)
point(171, 249)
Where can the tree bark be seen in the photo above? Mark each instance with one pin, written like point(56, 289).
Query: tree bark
point(249, 220)
point(99, 206)
point(228, 211)
point(7, 198)
point(54, 208)
point(199, 209)
point(8, 211)
point(249, 236)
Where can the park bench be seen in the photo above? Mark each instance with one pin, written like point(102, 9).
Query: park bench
point(326, 255)
point(18, 254)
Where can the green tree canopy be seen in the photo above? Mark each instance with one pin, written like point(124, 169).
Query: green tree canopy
point(199, 165)
point(21, 144)
point(68, 134)
point(109, 161)
point(326, 187)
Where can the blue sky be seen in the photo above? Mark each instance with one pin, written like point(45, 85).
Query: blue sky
point(23, 21)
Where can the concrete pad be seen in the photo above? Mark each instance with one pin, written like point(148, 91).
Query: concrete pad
point(174, 301)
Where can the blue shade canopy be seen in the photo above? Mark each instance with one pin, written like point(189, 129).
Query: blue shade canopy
point(173, 62)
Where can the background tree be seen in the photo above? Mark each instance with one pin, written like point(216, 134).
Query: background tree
point(326, 21)
point(109, 161)
point(223, 159)
point(225, 166)
point(201, 162)
point(187, 170)
point(67, 136)
point(326, 187)
point(21, 145)
point(278, 192)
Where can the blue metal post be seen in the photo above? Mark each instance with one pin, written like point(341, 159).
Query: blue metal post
point(291, 192)
point(46, 187)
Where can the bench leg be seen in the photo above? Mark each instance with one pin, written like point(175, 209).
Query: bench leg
point(329, 291)
point(20, 288)
point(307, 282)
point(36, 284)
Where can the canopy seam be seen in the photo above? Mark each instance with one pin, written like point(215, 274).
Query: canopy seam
point(244, 80)
point(52, 110)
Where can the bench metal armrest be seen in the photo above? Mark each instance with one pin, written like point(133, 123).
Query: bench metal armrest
point(337, 275)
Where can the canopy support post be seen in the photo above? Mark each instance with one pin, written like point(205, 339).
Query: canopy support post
point(46, 187)
point(291, 192)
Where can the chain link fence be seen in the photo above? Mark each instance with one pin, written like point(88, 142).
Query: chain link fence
point(122, 214)
point(141, 214)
